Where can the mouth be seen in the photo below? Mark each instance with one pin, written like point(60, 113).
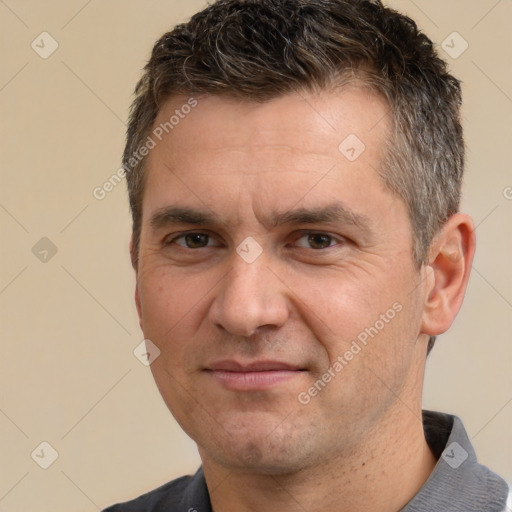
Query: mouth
point(254, 376)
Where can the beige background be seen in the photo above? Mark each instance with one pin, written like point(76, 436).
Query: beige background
point(68, 375)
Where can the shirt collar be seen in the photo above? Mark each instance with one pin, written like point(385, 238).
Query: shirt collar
point(458, 482)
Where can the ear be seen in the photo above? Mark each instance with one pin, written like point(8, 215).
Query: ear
point(135, 265)
point(450, 260)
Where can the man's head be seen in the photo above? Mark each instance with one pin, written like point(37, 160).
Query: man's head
point(295, 223)
point(258, 50)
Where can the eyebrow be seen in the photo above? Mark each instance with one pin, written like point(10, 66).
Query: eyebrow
point(178, 215)
point(332, 213)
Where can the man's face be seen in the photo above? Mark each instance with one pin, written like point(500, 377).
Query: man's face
point(268, 254)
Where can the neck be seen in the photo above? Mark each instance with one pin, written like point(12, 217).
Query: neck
point(384, 473)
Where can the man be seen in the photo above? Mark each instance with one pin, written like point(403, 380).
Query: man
point(294, 171)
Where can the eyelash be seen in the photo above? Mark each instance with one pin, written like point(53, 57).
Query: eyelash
point(335, 240)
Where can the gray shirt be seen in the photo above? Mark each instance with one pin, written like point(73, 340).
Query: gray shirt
point(457, 484)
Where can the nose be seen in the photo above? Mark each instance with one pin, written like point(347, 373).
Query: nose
point(251, 296)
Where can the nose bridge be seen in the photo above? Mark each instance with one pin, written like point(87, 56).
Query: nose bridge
point(249, 297)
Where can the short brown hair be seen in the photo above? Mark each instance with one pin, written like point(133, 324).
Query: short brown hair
point(257, 50)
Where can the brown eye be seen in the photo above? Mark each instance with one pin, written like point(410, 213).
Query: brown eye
point(319, 240)
point(316, 241)
point(193, 240)
point(196, 240)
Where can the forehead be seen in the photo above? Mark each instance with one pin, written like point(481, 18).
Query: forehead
point(225, 154)
point(317, 122)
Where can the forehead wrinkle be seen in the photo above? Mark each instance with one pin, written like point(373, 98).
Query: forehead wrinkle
point(244, 173)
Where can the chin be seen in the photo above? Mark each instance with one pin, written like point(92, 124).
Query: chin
point(260, 452)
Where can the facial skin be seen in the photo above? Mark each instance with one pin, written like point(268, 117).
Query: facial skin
point(336, 255)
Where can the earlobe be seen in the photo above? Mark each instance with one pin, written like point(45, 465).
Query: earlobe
point(451, 258)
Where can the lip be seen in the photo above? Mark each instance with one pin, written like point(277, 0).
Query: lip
point(229, 365)
point(254, 376)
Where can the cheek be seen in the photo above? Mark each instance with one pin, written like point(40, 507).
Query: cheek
point(337, 303)
point(345, 305)
point(166, 302)
point(174, 308)
point(169, 313)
